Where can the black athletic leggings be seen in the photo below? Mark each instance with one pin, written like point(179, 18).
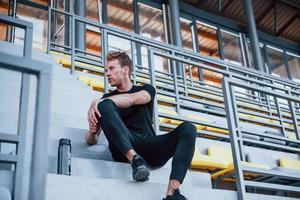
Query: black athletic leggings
point(156, 150)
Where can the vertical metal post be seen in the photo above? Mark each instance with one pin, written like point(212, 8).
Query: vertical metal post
point(55, 16)
point(265, 56)
point(165, 23)
point(72, 45)
point(176, 90)
point(282, 127)
point(232, 126)
point(294, 118)
point(104, 53)
point(27, 50)
point(153, 83)
point(134, 62)
point(41, 131)
point(80, 35)
point(220, 44)
point(175, 28)
point(49, 29)
point(196, 46)
point(137, 30)
point(253, 34)
point(22, 128)
point(99, 7)
point(10, 33)
point(246, 52)
point(286, 62)
point(67, 23)
point(104, 12)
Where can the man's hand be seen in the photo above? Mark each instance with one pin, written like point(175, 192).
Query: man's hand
point(93, 112)
point(92, 135)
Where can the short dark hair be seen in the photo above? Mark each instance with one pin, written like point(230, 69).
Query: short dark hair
point(122, 57)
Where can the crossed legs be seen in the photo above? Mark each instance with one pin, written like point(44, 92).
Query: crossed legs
point(156, 150)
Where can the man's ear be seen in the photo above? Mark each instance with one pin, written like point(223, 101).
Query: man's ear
point(126, 69)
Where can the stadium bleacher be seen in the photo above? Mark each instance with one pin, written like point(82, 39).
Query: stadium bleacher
point(269, 152)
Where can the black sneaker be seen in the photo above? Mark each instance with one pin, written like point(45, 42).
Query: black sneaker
point(176, 196)
point(140, 171)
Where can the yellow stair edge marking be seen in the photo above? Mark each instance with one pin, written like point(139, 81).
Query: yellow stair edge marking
point(289, 163)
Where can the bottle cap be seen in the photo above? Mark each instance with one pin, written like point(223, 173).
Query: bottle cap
point(64, 141)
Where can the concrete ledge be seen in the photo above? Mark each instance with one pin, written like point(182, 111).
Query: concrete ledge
point(116, 170)
point(78, 188)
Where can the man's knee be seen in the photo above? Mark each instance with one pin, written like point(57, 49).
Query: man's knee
point(188, 130)
point(106, 106)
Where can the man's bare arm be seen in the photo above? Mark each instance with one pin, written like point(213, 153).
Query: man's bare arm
point(126, 100)
point(121, 101)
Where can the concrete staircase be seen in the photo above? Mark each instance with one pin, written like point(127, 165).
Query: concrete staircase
point(94, 175)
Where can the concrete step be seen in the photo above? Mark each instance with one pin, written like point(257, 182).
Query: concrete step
point(77, 135)
point(123, 171)
point(82, 149)
point(88, 188)
point(68, 120)
point(74, 99)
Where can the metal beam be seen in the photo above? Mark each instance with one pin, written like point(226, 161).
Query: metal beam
point(80, 35)
point(175, 28)
point(253, 34)
point(287, 24)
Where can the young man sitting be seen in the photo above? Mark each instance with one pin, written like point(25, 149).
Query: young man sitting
point(125, 116)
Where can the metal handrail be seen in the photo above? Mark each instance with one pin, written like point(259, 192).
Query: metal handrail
point(236, 140)
point(38, 157)
point(174, 53)
point(176, 50)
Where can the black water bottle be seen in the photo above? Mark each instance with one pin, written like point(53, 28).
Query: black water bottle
point(64, 157)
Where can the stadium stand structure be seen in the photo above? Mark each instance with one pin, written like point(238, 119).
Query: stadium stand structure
point(246, 134)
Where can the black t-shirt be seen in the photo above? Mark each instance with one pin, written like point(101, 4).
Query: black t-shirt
point(137, 118)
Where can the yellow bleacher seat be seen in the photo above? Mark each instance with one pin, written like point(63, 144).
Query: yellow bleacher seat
point(289, 163)
point(168, 98)
point(146, 80)
point(143, 80)
point(204, 95)
point(198, 118)
point(201, 161)
point(230, 169)
point(163, 120)
point(220, 152)
point(165, 97)
point(217, 130)
point(96, 83)
point(166, 111)
point(291, 136)
point(85, 80)
point(175, 122)
point(66, 62)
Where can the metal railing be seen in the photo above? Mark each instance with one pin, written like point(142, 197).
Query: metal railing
point(173, 86)
point(267, 177)
point(178, 87)
point(28, 67)
point(182, 101)
point(136, 39)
